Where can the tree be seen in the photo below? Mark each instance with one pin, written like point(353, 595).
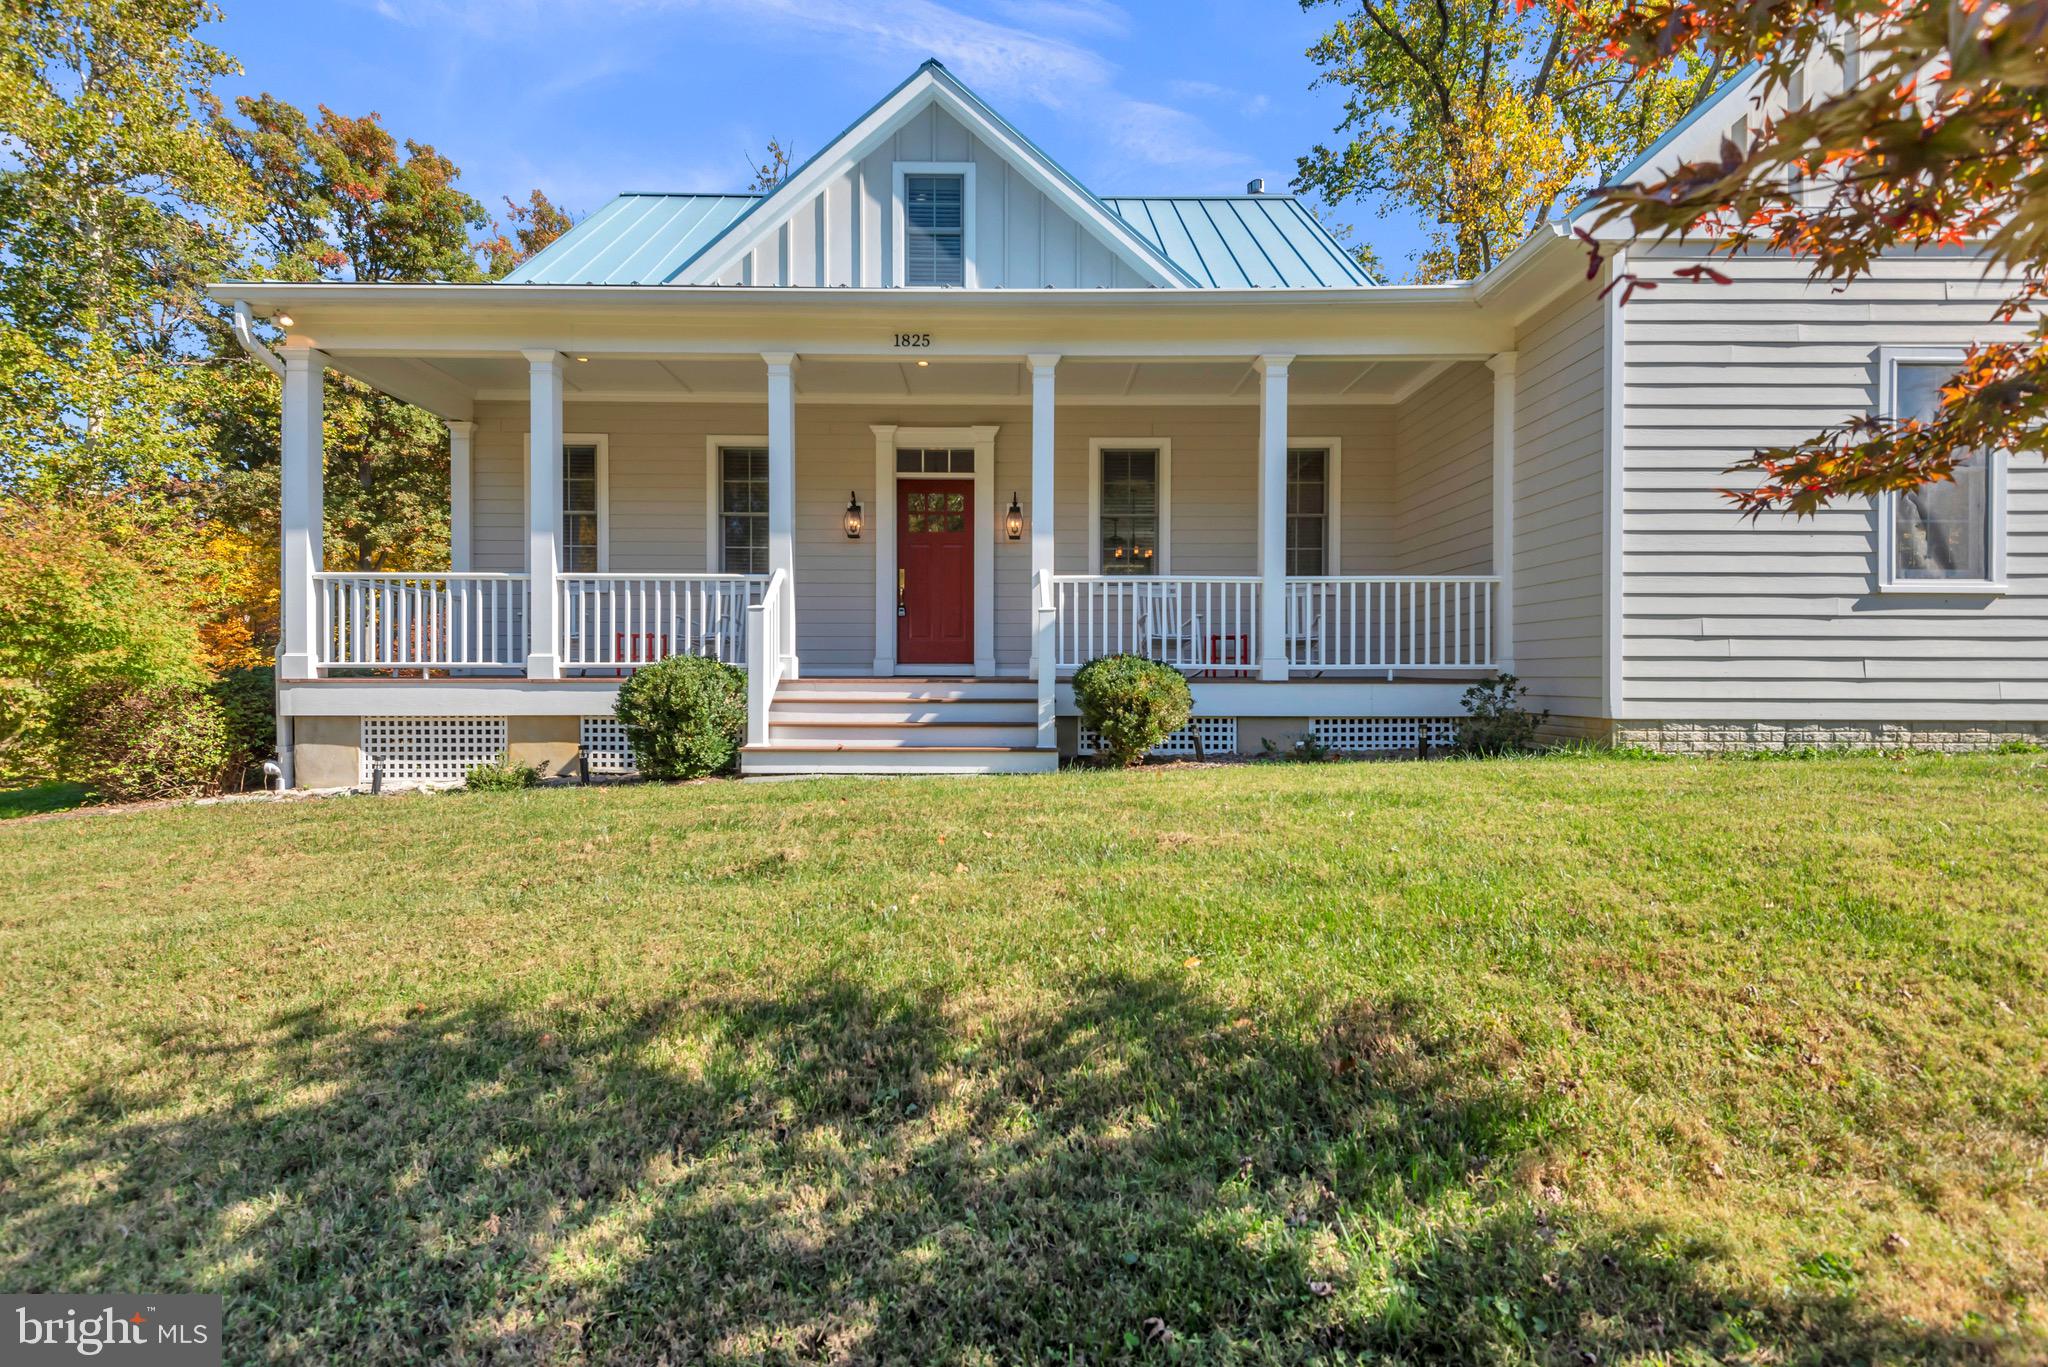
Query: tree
point(117, 201)
point(1465, 112)
point(1939, 140)
point(346, 200)
point(771, 169)
point(534, 224)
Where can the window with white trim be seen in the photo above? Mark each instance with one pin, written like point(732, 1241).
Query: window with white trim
point(743, 509)
point(1950, 533)
point(580, 494)
point(1129, 511)
point(934, 230)
point(1308, 511)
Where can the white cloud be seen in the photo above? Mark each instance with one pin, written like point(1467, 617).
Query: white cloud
point(1250, 106)
point(1025, 60)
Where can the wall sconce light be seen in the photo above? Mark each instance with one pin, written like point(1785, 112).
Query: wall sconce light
point(853, 517)
point(1013, 521)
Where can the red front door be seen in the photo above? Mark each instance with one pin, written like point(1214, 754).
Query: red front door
point(935, 572)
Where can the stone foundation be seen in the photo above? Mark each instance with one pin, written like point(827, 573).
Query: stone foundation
point(1709, 737)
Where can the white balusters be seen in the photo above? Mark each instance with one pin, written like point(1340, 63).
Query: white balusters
point(421, 621)
point(623, 621)
point(1391, 623)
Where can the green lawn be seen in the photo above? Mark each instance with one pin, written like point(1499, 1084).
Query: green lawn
point(1563, 1060)
point(43, 797)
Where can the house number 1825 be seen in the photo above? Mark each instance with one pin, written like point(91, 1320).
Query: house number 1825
point(913, 339)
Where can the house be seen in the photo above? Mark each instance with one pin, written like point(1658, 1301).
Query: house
point(931, 424)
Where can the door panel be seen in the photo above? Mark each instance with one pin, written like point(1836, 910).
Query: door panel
point(935, 572)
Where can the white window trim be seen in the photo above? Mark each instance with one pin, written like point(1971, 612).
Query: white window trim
point(604, 493)
point(962, 169)
point(1164, 446)
point(882, 520)
point(1889, 358)
point(1333, 498)
point(714, 521)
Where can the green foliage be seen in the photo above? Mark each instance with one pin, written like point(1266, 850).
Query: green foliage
point(504, 775)
point(132, 742)
point(248, 703)
point(1467, 114)
point(1307, 748)
point(1133, 703)
point(74, 612)
point(685, 716)
point(1495, 722)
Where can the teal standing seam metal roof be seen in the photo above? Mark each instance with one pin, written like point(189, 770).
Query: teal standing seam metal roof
point(1218, 241)
point(1242, 241)
point(637, 239)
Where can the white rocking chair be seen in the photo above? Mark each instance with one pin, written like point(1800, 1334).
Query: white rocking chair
point(1172, 634)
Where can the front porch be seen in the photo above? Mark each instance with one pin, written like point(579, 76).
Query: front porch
point(1323, 539)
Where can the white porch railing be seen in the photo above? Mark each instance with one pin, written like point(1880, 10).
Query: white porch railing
point(767, 630)
point(1390, 623)
point(622, 621)
point(420, 621)
point(1198, 623)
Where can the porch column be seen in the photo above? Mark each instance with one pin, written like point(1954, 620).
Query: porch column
point(301, 502)
point(782, 490)
point(543, 514)
point(1503, 367)
point(461, 437)
point(1273, 516)
point(1043, 417)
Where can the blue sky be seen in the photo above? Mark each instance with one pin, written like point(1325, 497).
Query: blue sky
point(585, 98)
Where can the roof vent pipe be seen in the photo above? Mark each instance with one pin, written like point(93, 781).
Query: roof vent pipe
point(1256, 186)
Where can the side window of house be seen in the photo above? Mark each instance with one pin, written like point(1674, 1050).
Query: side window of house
point(1940, 531)
point(934, 231)
point(1130, 512)
point(1308, 512)
point(743, 509)
point(579, 509)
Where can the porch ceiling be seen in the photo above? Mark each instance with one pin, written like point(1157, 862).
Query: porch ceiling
point(452, 381)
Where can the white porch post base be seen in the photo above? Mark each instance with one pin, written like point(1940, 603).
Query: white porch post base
point(1273, 517)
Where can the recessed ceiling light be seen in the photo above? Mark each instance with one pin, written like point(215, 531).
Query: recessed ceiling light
point(582, 358)
point(284, 320)
point(924, 363)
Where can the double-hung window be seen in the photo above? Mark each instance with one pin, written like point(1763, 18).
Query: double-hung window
point(1308, 512)
point(934, 229)
point(581, 489)
point(743, 509)
point(1128, 518)
point(1948, 536)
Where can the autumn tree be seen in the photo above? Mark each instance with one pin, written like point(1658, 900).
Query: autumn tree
point(346, 200)
point(528, 229)
point(770, 168)
point(1467, 113)
point(1937, 137)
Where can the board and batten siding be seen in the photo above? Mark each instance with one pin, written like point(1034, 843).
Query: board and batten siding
point(1779, 620)
point(845, 235)
point(1560, 497)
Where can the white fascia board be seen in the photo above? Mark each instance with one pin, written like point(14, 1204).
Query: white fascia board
point(477, 697)
point(750, 297)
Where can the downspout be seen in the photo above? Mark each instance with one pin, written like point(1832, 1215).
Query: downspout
point(286, 778)
point(249, 342)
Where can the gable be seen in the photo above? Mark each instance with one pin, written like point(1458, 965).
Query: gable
point(836, 221)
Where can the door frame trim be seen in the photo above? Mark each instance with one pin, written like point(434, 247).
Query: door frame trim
point(888, 437)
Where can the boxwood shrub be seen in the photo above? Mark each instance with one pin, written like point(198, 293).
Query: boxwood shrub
point(684, 716)
point(1133, 703)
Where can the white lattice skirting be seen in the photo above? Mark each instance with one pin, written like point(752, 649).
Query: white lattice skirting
point(1367, 735)
point(605, 748)
point(1219, 737)
point(430, 749)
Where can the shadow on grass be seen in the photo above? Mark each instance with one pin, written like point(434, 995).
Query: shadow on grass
point(829, 1173)
point(42, 798)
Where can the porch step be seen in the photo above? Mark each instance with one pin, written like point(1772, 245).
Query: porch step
point(830, 757)
point(907, 690)
point(858, 709)
point(894, 734)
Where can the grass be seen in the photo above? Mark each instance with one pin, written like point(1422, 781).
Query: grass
point(1550, 1061)
point(42, 797)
